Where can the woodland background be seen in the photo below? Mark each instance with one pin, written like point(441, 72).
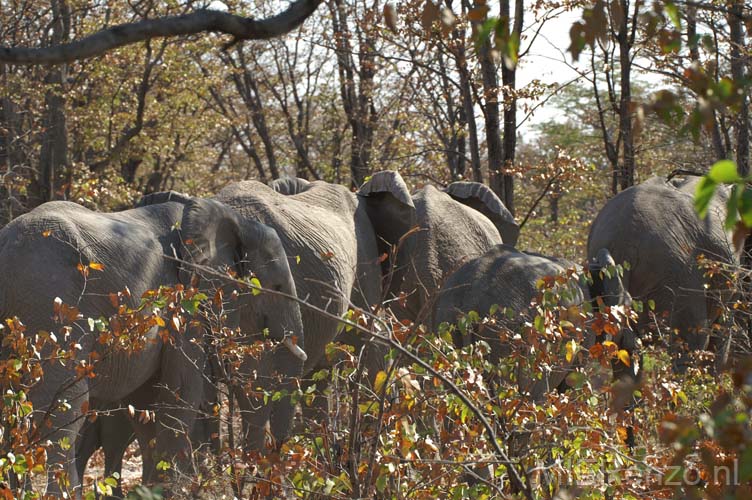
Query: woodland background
point(366, 86)
point(429, 89)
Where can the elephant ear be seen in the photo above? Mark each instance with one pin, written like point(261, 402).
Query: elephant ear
point(387, 182)
point(480, 197)
point(213, 236)
point(163, 197)
point(290, 185)
point(389, 207)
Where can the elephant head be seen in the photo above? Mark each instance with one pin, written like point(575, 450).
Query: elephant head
point(216, 237)
point(390, 208)
point(481, 198)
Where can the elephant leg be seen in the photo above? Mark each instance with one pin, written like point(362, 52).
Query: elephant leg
point(690, 319)
point(720, 345)
point(146, 433)
point(282, 410)
point(65, 418)
point(255, 415)
point(116, 434)
point(318, 410)
point(88, 442)
point(179, 393)
point(206, 431)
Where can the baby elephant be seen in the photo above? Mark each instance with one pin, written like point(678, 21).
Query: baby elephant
point(507, 277)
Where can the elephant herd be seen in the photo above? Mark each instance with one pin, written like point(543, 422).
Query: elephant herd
point(328, 248)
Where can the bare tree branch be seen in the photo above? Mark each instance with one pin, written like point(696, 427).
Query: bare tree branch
point(241, 28)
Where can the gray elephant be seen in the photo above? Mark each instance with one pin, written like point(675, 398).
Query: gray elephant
point(331, 242)
point(506, 277)
point(653, 226)
point(331, 232)
point(42, 255)
point(459, 223)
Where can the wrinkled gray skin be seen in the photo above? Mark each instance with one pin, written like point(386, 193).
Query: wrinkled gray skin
point(453, 229)
point(132, 246)
point(328, 228)
point(654, 227)
point(507, 277)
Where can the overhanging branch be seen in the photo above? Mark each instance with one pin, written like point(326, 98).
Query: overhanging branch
point(211, 21)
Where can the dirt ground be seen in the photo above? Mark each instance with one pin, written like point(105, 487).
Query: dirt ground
point(131, 474)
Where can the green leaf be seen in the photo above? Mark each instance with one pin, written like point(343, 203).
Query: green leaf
point(745, 207)
point(540, 324)
point(381, 482)
point(732, 207)
point(673, 14)
point(64, 443)
point(703, 194)
point(190, 305)
point(256, 285)
point(724, 171)
point(511, 51)
point(162, 465)
point(485, 30)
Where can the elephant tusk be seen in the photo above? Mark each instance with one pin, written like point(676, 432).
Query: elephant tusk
point(295, 349)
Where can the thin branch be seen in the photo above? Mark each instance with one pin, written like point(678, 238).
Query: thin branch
point(540, 197)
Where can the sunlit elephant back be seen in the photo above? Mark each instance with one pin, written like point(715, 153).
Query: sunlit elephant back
point(654, 227)
point(454, 225)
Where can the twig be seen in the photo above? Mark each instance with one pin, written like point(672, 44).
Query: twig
point(540, 197)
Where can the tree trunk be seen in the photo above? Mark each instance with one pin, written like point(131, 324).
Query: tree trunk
point(509, 80)
point(247, 87)
point(468, 111)
point(357, 100)
point(492, 120)
point(738, 64)
point(53, 156)
point(625, 99)
point(719, 149)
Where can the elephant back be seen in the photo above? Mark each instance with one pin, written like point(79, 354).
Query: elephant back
point(503, 276)
point(450, 234)
point(655, 224)
point(507, 278)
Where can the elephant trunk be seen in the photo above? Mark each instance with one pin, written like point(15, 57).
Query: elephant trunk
point(608, 286)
